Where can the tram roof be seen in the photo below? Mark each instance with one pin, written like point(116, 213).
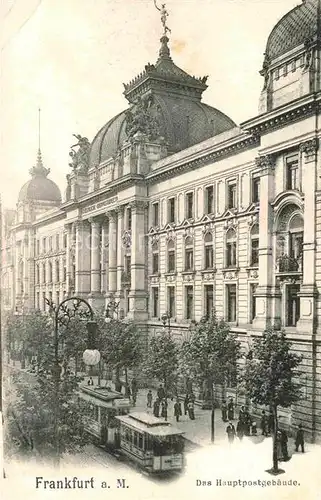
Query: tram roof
point(145, 422)
point(107, 403)
point(101, 392)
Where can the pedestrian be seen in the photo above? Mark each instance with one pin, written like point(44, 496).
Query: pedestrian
point(224, 411)
point(254, 429)
point(247, 423)
point(190, 408)
point(242, 414)
point(230, 409)
point(149, 399)
point(90, 381)
point(299, 439)
point(284, 445)
point(230, 430)
point(161, 393)
point(191, 397)
point(264, 424)
point(134, 398)
point(186, 401)
point(127, 391)
point(177, 410)
point(164, 407)
point(134, 386)
point(240, 430)
point(156, 408)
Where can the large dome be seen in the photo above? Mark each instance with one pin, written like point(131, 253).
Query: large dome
point(168, 98)
point(39, 187)
point(294, 29)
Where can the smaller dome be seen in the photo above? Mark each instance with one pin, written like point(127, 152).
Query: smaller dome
point(297, 26)
point(39, 187)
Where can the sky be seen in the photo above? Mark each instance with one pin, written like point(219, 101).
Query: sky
point(71, 57)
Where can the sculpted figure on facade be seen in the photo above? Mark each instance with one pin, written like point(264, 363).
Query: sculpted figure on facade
point(80, 156)
point(142, 119)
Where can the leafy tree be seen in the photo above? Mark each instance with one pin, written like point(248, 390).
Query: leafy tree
point(121, 345)
point(161, 361)
point(269, 377)
point(210, 355)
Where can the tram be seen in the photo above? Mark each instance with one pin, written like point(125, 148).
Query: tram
point(153, 444)
point(100, 407)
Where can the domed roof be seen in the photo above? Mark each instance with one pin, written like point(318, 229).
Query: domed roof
point(39, 187)
point(297, 26)
point(168, 98)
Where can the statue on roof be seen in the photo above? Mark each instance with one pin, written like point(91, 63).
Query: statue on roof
point(80, 157)
point(164, 16)
point(142, 119)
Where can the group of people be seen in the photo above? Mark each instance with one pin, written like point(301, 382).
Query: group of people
point(160, 405)
point(247, 426)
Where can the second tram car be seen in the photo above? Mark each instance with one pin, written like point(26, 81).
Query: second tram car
point(152, 443)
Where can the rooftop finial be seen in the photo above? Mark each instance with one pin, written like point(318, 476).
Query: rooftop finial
point(39, 169)
point(39, 112)
point(164, 16)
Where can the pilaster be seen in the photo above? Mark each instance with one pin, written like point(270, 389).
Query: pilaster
point(95, 262)
point(264, 293)
point(307, 293)
point(112, 254)
point(120, 253)
point(104, 257)
point(138, 292)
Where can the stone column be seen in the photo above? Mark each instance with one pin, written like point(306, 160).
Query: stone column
point(120, 253)
point(264, 292)
point(112, 254)
point(82, 250)
point(95, 261)
point(138, 292)
point(104, 257)
point(69, 256)
point(308, 289)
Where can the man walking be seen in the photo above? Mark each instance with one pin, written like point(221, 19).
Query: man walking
point(264, 424)
point(230, 430)
point(177, 410)
point(224, 411)
point(230, 410)
point(299, 439)
point(149, 399)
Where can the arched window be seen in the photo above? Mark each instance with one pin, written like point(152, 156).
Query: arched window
point(171, 256)
point(231, 248)
point(49, 272)
point(44, 272)
point(57, 271)
point(189, 250)
point(65, 271)
point(296, 236)
point(208, 251)
point(254, 235)
point(155, 256)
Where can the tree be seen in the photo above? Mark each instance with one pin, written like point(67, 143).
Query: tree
point(121, 345)
point(161, 361)
point(269, 377)
point(210, 355)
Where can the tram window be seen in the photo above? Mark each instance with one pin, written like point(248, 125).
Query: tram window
point(128, 435)
point(135, 440)
point(140, 441)
point(148, 442)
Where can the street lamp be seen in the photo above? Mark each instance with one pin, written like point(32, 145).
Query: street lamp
point(91, 355)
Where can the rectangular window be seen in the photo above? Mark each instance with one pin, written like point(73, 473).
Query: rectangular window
point(254, 252)
point(44, 301)
point(292, 171)
point(155, 302)
point(231, 195)
point(231, 303)
point(253, 288)
point(171, 301)
point(209, 300)
point(189, 302)
point(256, 190)
point(127, 265)
point(65, 272)
point(65, 240)
point(209, 261)
point(155, 263)
point(189, 206)
point(296, 244)
point(293, 305)
point(231, 254)
point(57, 298)
point(57, 241)
point(171, 210)
point(50, 243)
point(38, 247)
point(209, 199)
point(155, 214)
point(189, 259)
point(38, 300)
point(44, 245)
point(171, 261)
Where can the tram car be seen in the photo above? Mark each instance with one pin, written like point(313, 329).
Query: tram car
point(100, 407)
point(152, 443)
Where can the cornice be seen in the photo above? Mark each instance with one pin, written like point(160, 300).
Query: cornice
point(215, 153)
point(283, 115)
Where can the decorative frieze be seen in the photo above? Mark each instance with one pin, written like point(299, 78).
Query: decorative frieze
point(208, 274)
point(266, 164)
point(252, 273)
point(230, 274)
point(309, 149)
point(154, 279)
point(170, 277)
point(188, 275)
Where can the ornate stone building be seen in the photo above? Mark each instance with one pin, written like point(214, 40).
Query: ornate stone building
point(173, 208)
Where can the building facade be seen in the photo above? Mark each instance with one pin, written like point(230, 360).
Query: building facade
point(173, 208)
